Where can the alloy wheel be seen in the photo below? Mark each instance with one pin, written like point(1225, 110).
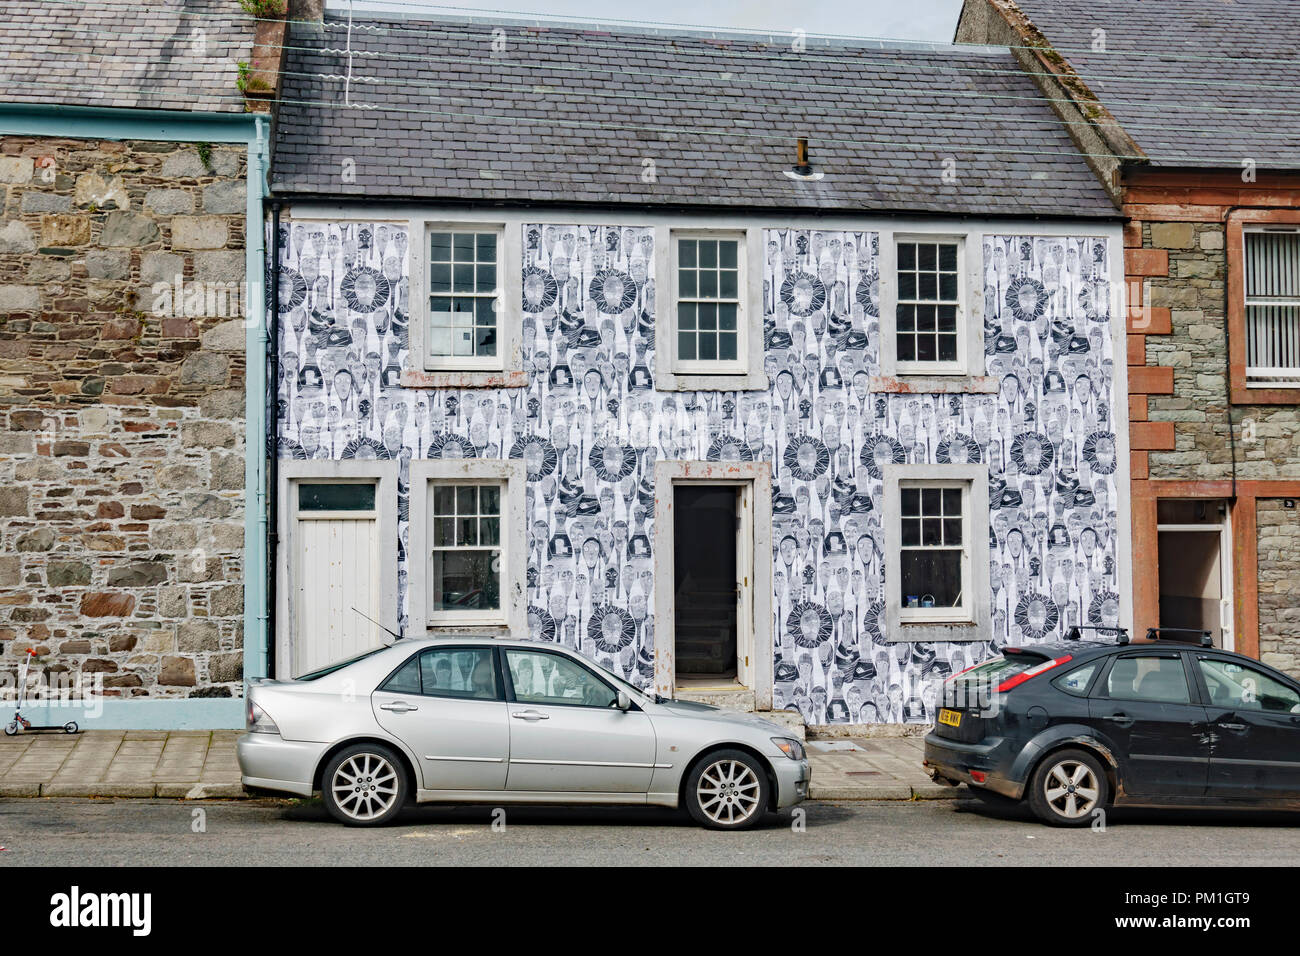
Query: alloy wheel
point(728, 792)
point(1071, 789)
point(364, 786)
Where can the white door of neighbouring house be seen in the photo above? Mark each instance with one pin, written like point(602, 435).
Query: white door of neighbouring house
point(336, 568)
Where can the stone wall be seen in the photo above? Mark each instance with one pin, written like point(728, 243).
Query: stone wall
point(122, 411)
point(1267, 440)
point(1279, 583)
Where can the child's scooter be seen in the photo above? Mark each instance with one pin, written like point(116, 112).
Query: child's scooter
point(21, 722)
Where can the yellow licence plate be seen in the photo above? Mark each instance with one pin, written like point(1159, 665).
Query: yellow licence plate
point(950, 717)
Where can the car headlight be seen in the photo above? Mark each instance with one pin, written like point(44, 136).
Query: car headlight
point(789, 746)
point(259, 722)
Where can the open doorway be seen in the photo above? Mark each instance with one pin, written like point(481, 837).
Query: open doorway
point(705, 582)
point(1196, 567)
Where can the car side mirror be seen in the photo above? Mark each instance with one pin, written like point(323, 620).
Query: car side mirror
point(624, 703)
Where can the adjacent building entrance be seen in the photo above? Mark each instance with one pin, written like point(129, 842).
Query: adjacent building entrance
point(1196, 566)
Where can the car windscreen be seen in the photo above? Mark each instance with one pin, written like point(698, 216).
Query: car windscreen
point(330, 669)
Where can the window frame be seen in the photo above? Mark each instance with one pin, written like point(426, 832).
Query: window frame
point(941, 615)
point(1263, 229)
point(973, 620)
point(746, 372)
point(1241, 390)
point(956, 366)
point(478, 615)
point(1101, 689)
point(505, 369)
point(511, 618)
point(966, 372)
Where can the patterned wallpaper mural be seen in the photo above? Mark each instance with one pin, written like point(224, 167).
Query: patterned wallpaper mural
point(590, 428)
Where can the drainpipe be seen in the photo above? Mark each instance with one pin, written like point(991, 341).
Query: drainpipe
point(255, 542)
point(273, 440)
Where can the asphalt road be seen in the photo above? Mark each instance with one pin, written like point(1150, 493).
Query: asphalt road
point(72, 832)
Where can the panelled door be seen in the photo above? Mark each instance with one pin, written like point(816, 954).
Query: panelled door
point(336, 568)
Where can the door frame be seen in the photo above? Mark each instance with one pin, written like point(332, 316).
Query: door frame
point(1223, 527)
point(291, 472)
point(754, 614)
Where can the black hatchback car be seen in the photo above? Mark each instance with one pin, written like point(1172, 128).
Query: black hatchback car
point(1076, 726)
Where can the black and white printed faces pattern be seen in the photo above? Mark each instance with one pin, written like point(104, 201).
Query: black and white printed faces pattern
point(590, 426)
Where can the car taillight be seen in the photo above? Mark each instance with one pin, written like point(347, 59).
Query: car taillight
point(1023, 676)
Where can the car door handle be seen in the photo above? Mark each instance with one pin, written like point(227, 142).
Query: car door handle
point(1121, 718)
point(529, 715)
point(398, 706)
point(1231, 726)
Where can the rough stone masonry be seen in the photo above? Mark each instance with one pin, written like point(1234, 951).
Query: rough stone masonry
point(122, 413)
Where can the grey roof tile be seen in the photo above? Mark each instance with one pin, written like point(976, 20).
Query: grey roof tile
point(143, 54)
point(568, 114)
point(1195, 83)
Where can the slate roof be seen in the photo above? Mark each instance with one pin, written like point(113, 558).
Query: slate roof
point(1193, 82)
point(565, 114)
point(124, 53)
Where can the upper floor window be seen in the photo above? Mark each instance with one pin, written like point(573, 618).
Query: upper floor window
point(928, 330)
point(710, 282)
point(464, 298)
point(1272, 285)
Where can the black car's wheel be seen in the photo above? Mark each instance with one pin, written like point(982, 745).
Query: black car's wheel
point(727, 790)
point(364, 785)
point(1068, 788)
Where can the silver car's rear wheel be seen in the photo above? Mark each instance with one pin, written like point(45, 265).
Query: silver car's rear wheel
point(728, 790)
point(364, 785)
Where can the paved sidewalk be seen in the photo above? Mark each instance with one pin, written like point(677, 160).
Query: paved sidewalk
point(198, 764)
point(191, 764)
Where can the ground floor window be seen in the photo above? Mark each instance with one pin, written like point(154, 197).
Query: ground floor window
point(934, 562)
point(467, 559)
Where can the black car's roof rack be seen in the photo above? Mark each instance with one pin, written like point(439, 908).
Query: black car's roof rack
point(1073, 634)
point(1183, 635)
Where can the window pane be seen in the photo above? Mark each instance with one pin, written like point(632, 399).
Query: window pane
point(486, 342)
point(489, 531)
point(406, 680)
point(708, 254)
point(687, 284)
point(439, 277)
point(1245, 688)
point(948, 257)
point(462, 278)
point(727, 317)
point(727, 346)
point(911, 498)
point(467, 499)
point(444, 532)
point(487, 278)
point(540, 678)
point(947, 318)
point(947, 348)
point(708, 347)
point(686, 346)
point(927, 286)
point(440, 246)
point(907, 285)
point(686, 317)
point(727, 253)
point(466, 580)
point(462, 244)
point(930, 578)
point(486, 243)
point(948, 286)
point(687, 254)
point(932, 532)
point(708, 313)
point(925, 348)
point(911, 532)
point(727, 283)
point(444, 500)
point(925, 318)
point(459, 672)
point(926, 257)
point(467, 531)
point(907, 255)
point(1148, 678)
point(1076, 681)
point(931, 501)
point(952, 531)
point(708, 285)
point(489, 499)
point(952, 501)
point(336, 496)
point(907, 348)
point(906, 318)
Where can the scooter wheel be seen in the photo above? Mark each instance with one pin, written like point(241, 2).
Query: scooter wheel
point(11, 728)
point(70, 727)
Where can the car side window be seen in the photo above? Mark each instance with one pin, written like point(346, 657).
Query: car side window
point(542, 678)
point(1244, 688)
point(1154, 677)
point(406, 679)
point(463, 672)
point(1076, 681)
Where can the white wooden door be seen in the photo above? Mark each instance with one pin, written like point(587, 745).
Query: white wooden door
point(337, 564)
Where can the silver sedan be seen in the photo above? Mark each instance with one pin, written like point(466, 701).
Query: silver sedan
point(483, 720)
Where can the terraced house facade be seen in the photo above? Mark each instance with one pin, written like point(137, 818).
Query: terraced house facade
point(802, 402)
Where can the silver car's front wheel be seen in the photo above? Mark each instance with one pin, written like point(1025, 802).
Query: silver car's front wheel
point(727, 790)
point(364, 785)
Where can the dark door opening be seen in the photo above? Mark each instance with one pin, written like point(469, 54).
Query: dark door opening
point(704, 561)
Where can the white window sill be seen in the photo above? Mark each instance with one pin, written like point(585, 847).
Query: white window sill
point(463, 378)
point(908, 383)
point(711, 381)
